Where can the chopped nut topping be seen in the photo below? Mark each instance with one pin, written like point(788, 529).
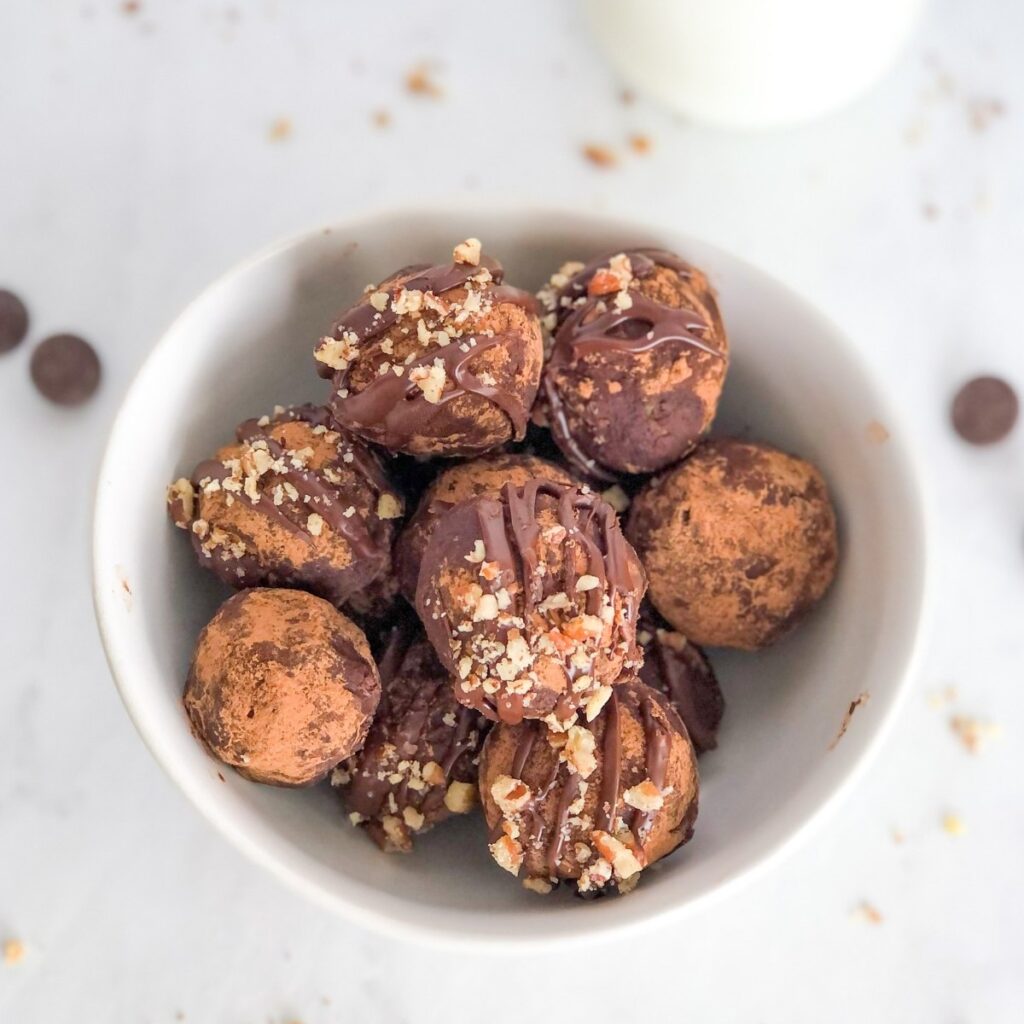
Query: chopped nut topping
point(579, 751)
point(597, 700)
point(644, 797)
point(388, 507)
point(396, 834)
point(336, 353)
point(538, 885)
point(486, 609)
point(356, 818)
point(379, 301)
point(315, 524)
point(460, 797)
point(430, 380)
point(181, 501)
point(624, 861)
point(477, 554)
point(413, 818)
point(510, 794)
point(433, 774)
point(587, 582)
point(508, 854)
point(468, 252)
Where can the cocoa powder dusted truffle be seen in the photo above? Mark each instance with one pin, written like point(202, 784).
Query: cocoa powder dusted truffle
point(680, 671)
point(438, 360)
point(296, 502)
point(483, 477)
point(282, 686)
point(739, 542)
point(531, 601)
point(637, 363)
point(419, 762)
point(596, 804)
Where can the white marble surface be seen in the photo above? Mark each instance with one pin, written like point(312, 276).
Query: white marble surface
point(135, 164)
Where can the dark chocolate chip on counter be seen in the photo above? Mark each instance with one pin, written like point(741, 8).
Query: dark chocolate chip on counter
point(985, 410)
point(13, 320)
point(65, 369)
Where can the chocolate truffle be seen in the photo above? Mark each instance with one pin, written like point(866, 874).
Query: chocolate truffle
point(420, 760)
point(480, 478)
point(377, 607)
point(637, 363)
point(739, 542)
point(680, 671)
point(282, 686)
point(438, 360)
point(531, 601)
point(596, 804)
point(295, 503)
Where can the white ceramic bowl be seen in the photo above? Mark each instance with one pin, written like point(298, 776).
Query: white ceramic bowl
point(245, 344)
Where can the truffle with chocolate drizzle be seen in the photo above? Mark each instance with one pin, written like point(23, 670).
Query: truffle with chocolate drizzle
point(681, 672)
point(420, 760)
point(441, 360)
point(637, 362)
point(598, 803)
point(531, 601)
point(296, 502)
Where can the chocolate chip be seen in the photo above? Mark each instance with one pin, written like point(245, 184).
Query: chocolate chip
point(13, 320)
point(984, 410)
point(66, 369)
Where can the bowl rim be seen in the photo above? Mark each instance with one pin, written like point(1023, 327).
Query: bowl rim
point(417, 929)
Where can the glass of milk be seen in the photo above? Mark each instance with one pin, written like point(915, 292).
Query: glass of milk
point(752, 63)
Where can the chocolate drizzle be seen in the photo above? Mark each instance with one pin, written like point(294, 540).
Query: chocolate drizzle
point(594, 324)
point(391, 409)
point(418, 721)
point(630, 699)
point(315, 494)
point(287, 493)
point(510, 530)
point(680, 671)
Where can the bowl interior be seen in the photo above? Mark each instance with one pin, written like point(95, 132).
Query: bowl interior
point(245, 344)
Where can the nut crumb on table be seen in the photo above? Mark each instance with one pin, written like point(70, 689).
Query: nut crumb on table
point(13, 952)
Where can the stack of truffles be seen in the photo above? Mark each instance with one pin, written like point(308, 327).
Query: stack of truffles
point(489, 634)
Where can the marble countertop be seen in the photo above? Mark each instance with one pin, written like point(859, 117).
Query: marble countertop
point(144, 151)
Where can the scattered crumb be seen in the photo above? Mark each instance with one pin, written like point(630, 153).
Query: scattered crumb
point(942, 697)
point(627, 97)
point(867, 913)
point(973, 733)
point(13, 952)
point(954, 825)
point(916, 131)
point(280, 129)
point(982, 112)
point(179, 1015)
point(600, 156)
point(876, 432)
point(221, 777)
point(861, 698)
point(930, 211)
point(130, 7)
point(897, 836)
point(381, 118)
point(420, 82)
point(640, 144)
